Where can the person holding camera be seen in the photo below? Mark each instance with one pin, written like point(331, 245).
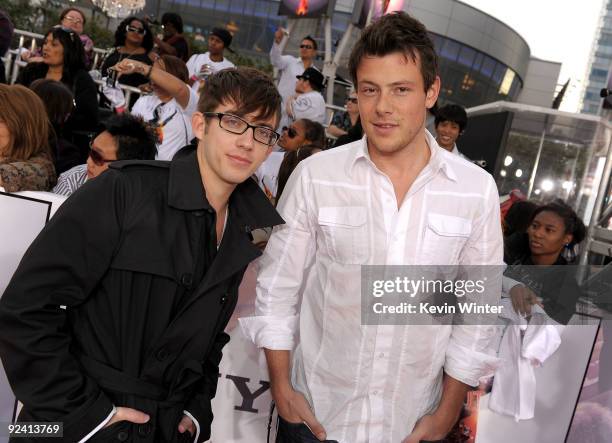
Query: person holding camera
point(201, 66)
point(171, 105)
point(134, 41)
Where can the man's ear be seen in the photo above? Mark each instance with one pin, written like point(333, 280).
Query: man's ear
point(198, 124)
point(432, 93)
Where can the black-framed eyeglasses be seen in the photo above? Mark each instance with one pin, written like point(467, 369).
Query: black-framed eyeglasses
point(306, 47)
point(96, 157)
point(130, 28)
point(353, 100)
point(236, 125)
point(76, 21)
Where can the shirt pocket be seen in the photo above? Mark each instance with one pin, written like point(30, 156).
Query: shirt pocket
point(345, 233)
point(445, 236)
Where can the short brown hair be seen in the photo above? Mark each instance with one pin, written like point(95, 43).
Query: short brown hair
point(175, 66)
point(248, 88)
point(65, 12)
point(397, 32)
point(24, 114)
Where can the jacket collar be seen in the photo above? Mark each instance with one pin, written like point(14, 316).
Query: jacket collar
point(186, 192)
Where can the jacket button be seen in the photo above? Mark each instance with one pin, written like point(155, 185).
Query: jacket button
point(144, 429)
point(122, 436)
point(198, 213)
point(223, 299)
point(162, 354)
point(186, 279)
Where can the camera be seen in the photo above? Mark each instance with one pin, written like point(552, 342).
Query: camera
point(111, 80)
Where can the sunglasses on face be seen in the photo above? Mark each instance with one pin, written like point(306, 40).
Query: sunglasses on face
point(130, 28)
point(305, 47)
point(352, 100)
point(96, 157)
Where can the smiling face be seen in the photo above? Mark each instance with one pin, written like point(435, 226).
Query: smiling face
point(393, 102)
point(447, 133)
point(230, 158)
point(53, 51)
point(547, 234)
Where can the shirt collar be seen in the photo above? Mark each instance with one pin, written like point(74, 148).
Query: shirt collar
point(186, 192)
point(437, 160)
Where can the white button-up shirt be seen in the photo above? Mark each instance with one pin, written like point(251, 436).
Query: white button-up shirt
point(372, 383)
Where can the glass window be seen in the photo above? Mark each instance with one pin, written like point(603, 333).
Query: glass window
point(237, 6)
point(450, 49)
point(498, 74)
point(478, 61)
point(222, 5)
point(488, 65)
point(466, 56)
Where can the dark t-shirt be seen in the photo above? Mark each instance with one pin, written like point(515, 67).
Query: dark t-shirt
point(115, 57)
point(179, 43)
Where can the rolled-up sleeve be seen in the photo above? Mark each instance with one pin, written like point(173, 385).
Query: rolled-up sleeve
point(471, 352)
point(281, 269)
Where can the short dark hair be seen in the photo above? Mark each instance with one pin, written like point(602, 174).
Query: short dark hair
point(65, 12)
point(314, 132)
point(57, 97)
point(312, 40)
point(451, 113)
point(175, 66)
point(519, 217)
point(397, 32)
point(248, 88)
point(74, 53)
point(135, 139)
point(573, 223)
point(120, 33)
point(175, 19)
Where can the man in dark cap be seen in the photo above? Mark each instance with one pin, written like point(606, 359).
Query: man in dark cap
point(200, 66)
point(308, 101)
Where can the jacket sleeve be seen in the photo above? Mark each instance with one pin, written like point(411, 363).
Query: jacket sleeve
point(57, 274)
point(86, 99)
point(199, 407)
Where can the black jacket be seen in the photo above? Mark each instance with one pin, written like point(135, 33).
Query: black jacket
point(147, 298)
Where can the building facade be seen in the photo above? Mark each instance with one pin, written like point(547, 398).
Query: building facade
point(481, 58)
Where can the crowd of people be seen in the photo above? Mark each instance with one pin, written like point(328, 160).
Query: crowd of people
point(153, 252)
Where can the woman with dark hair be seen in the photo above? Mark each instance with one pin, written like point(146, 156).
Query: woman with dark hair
point(533, 276)
point(25, 157)
point(59, 104)
point(64, 60)
point(171, 105)
point(133, 40)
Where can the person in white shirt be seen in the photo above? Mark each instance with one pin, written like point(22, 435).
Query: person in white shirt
point(308, 102)
point(125, 137)
point(394, 197)
point(201, 66)
point(170, 107)
point(450, 122)
point(289, 66)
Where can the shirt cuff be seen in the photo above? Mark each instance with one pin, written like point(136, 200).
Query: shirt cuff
point(100, 426)
point(275, 333)
point(196, 423)
point(470, 365)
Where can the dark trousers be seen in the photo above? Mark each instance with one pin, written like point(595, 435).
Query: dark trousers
point(295, 433)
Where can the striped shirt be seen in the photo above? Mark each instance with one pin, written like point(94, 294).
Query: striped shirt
point(71, 180)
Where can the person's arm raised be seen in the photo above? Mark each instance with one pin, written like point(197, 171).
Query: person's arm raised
point(168, 82)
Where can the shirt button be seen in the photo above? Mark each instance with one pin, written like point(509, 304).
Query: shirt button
point(223, 299)
point(122, 436)
point(144, 429)
point(381, 355)
point(162, 354)
point(186, 279)
point(374, 392)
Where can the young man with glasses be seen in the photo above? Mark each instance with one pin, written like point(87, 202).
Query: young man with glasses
point(290, 67)
point(113, 322)
point(125, 137)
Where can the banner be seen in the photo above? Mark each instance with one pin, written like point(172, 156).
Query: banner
point(306, 8)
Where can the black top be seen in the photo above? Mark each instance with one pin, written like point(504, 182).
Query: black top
point(132, 255)
point(135, 79)
point(179, 43)
point(84, 117)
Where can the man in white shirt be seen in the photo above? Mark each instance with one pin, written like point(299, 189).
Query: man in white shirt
point(450, 122)
point(308, 102)
point(290, 67)
point(125, 137)
point(393, 198)
point(201, 66)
